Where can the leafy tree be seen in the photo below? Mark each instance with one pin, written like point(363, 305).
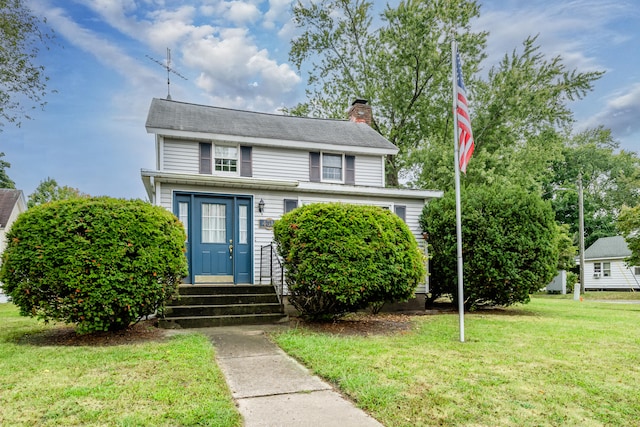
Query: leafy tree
point(21, 38)
point(629, 226)
point(610, 179)
point(402, 67)
point(521, 120)
point(510, 245)
point(5, 181)
point(340, 258)
point(49, 191)
point(99, 263)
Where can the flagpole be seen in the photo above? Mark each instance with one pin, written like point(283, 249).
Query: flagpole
point(456, 149)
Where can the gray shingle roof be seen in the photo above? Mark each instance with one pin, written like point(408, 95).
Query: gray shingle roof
point(608, 247)
point(181, 116)
point(8, 199)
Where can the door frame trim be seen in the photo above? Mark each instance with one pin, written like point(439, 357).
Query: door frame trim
point(234, 197)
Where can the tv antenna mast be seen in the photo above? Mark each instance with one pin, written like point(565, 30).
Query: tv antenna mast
point(167, 66)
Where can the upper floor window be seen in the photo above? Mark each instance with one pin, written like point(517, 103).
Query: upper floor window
point(226, 158)
point(332, 167)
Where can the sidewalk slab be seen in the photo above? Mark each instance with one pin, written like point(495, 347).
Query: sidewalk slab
point(268, 375)
point(273, 389)
point(316, 409)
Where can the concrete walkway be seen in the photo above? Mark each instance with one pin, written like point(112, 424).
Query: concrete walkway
point(272, 389)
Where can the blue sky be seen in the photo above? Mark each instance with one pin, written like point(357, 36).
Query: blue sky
point(234, 54)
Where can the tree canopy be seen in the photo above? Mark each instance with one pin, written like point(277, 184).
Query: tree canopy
point(629, 226)
point(22, 79)
point(49, 191)
point(520, 109)
point(5, 181)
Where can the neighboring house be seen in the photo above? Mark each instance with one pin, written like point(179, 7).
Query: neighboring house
point(605, 268)
point(228, 174)
point(12, 204)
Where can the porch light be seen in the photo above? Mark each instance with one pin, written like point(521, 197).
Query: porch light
point(261, 206)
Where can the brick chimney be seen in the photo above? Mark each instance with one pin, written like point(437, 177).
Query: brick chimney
point(360, 112)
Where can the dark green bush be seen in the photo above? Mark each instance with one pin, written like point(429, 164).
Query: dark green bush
point(510, 245)
point(99, 263)
point(340, 258)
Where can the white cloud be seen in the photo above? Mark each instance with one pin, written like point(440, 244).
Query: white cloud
point(278, 13)
point(100, 48)
point(572, 30)
point(620, 113)
point(230, 63)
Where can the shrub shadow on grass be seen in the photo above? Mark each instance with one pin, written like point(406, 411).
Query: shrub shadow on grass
point(504, 311)
point(143, 331)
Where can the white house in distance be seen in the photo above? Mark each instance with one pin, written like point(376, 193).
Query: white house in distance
point(12, 204)
point(228, 174)
point(605, 268)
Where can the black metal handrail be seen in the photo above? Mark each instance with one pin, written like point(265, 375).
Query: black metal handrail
point(271, 268)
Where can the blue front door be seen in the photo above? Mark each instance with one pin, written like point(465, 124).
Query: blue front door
point(219, 230)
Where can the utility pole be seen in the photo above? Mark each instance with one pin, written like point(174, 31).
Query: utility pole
point(581, 231)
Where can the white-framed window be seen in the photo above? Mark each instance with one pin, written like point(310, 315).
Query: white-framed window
point(226, 158)
point(636, 271)
point(597, 269)
point(601, 269)
point(606, 269)
point(331, 167)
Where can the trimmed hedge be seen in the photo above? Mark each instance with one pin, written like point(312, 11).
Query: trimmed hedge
point(510, 245)
point(100, 263)
point(340, 258)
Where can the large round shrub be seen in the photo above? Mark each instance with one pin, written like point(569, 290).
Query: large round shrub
point(509, 243)
point(100, 263)
point(340, 258)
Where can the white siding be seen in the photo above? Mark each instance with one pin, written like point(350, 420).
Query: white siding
point(274, 209)
point(621, 277)
point(181, 156)
point(280, 163)
point(369, 171)
point(268, 162)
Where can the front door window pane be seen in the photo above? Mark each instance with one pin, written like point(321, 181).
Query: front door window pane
point(214, 218)
point(183, 216)
point(244, 227)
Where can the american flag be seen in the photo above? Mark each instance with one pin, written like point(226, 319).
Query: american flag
point(464, 122)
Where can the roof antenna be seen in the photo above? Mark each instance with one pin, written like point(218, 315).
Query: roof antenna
point(167, 65)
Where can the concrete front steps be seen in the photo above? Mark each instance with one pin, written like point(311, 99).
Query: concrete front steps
point(201, 306)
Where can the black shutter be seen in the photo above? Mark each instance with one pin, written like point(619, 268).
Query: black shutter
point(290, 204)
point(350, 170)
point(314, 167)
point(245, 161)
point(205, 157)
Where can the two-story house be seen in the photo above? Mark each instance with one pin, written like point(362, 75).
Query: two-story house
point(228, 174)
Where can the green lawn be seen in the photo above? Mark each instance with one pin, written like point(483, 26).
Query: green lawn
point(551, 362)
point(175, 382)
point(598, 295)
